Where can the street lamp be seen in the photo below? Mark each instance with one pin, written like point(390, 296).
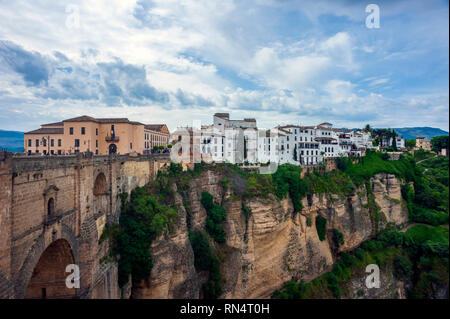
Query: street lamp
point(48, 143)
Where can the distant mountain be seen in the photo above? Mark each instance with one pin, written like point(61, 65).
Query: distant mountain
point(11, 140)
point(413, 132)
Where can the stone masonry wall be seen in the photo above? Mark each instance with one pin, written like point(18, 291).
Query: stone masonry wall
point(43, 199)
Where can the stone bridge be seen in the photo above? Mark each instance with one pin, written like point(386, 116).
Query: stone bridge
point(52, 213)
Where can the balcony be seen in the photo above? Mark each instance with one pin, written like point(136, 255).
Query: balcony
point(111, 139)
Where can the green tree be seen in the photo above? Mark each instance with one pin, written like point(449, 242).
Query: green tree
point(402, 267)
point(439, 142)
point(394, 143)
point(410, 143)
point(295, 153)
point(215, 215)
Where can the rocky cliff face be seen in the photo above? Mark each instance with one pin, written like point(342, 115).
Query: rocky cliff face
point(274, 245)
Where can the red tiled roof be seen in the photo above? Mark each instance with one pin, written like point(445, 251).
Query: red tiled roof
point(47, 130)
point(223, 115)
point(154, 127)
point(161, 128)
point(53, 124)
point(85, 118)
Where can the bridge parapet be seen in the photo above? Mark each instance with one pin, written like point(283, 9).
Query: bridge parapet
point(32, 163)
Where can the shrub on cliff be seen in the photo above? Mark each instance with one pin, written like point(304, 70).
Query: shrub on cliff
point(373, 163)
point(205, 261)
point(287, 181)
point(202, 250)
point(212, 289)
point(215, 215)
point(338, 238)
point(291, 290)
point(402, 267)
point(141, 221)
point(321, 227)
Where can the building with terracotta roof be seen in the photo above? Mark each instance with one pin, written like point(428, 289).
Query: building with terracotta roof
point(155, 135)
point(98, 135)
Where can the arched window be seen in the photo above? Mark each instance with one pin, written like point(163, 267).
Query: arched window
point(51, 207)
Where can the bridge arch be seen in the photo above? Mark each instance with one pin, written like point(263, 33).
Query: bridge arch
point(45, 265)
point(49, 275)
point(100, 185)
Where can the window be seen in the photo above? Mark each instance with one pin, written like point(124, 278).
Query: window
point(96, 143)
point(52, 142)
point(44, 141)
point(71, 130)
point(29, 142)
point(59, 142)
point(96, 131)
point(59, 152)
point(83, 130)
point(131, 145)
point(77, 143)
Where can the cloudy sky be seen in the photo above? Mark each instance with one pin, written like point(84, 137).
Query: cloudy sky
point(175, 61)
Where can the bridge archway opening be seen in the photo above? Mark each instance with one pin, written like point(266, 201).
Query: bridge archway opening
point(48, 280)
point(100, 185)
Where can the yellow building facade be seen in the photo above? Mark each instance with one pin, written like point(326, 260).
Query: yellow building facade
point(84, 133)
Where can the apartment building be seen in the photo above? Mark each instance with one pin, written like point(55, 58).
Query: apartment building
point(155, 135)
point(240, 141)
point(85, 133)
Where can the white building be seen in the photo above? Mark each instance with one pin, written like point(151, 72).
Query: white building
point(400, 142)
point(240, 141)
point(233, 141)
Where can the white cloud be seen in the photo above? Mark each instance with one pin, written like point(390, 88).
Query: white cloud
point(226, 53)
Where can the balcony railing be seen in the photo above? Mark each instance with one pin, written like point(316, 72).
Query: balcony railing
point(112, 139)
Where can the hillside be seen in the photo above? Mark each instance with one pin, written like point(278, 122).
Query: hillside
point(413, 132)
point(11, 140)
point(221, 232)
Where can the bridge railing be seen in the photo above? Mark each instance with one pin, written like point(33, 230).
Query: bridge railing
point(30, 163)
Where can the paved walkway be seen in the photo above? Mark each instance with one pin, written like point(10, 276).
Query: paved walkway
point(414, 224)
point(426, 159)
